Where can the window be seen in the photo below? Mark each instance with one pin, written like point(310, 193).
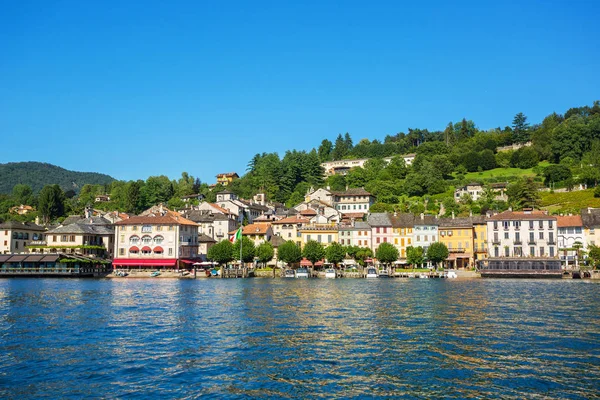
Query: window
point(170, 227)
point(531, 237)
point(517, 236)
point(307, 238)
point(158, 239)
point(466, 245)
point(541, 252)
point(551, 251)
point(123, 227)
point(551, 237)
point(530, 224)
point(377, 240)
point(319, 238)
point(384, 240)
point(496, 252)
point(496, 240)
point(495, 224)
point(377, 230)
point(134, 240)
point(418, 238)
point(578, 230)
point(134, 228)
point(541, 236)
point(170, 251)
point(159, 227)
point(146, 228)
point(121, 252)
point(517, 224)
point(328, 238)
point(395, 240)
point(550, 224)
point(532, 251)
point(517, 252)
point(541, 226)
point(146, 239)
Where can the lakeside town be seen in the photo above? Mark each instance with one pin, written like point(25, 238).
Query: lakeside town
point(160, 240)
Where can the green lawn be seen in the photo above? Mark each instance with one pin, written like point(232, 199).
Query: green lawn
point(502, 173)
point(566, 202)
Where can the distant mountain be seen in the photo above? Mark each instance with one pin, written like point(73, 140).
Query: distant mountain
point(37, 175)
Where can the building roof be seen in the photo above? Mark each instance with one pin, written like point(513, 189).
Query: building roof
point(352, 192)
point(206, 239)
point(225, 192)
point(157, 220)
point(403, 220)
point(277, 241)
point(254, 229)
point(521, 215)
point(379, 219)
point(292, 220)
point(228, 174)
point(426, 220)
point(308, 211)
point(219, 208)
point(590, 217)
point(86, 229)
point(455, 222)
point(563, 221)
point(30, 226)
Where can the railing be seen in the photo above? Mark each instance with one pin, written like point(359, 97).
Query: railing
point(496, 241)
point(551, 242)
point(518, 242)
point(532, 242)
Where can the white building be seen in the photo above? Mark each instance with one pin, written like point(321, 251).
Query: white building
point(570, 231)
point(356, 200)
point(425, 231)
point(358, 234)
point(341, 167)
point(16, 236)
point(522, 234)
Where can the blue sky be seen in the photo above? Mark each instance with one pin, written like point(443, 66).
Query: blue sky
point(154, 87)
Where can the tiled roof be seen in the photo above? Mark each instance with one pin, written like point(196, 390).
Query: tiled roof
point(218, 207)
point(352, 192)
point(205, 239)
point(521, 215)
point(353, 215)
point(227, 174)
point(403, 220)
point(277, 241)
point(292, 220)
point(563, 221)
point(308, 211)
point(426, 220)
point(455, 222)
point(158, 220)
point(80, 228)
point(590, 217)
point(254, 229)
point(22, 225)
point(379, 219)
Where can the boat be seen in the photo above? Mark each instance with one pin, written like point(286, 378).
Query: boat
point(155, 274)
point(289, 273)
point(451, 274)
point(384, 273)
point(214, 272)
point(371, 273)
point(330, 273)
point(302, 273)
point(423, 276)
point(121, 274)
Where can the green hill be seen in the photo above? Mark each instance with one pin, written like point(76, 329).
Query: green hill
point(37, 175)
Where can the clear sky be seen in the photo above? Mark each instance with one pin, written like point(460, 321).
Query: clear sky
point(140, 88)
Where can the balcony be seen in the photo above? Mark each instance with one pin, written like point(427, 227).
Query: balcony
point(496, 241)
point(455, 250)
point(518, 242)
point(531, 242)
point(551, 242)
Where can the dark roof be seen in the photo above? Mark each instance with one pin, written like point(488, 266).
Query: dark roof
point(157, 220)
point(83, 228)
point(206, 239)
point(28, 258)
point(277, 241)
point(30, 226)
point(403, 220)
point(379, 219)
point(225, 192)
point(455, 222)
point(352, 192)
point(590, 217)
point(426, 220)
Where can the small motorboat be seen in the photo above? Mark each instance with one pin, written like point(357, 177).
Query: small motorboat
point(289, 273)
point(451, 274)
point(371, 273)
point(302, 273)
point(155, 274)
point(330, 273)
point(384, 273)
point(214, 272)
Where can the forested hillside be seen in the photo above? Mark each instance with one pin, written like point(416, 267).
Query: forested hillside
point(561, 153)
point(37, 175)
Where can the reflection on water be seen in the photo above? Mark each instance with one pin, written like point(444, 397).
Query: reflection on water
point(299, 338)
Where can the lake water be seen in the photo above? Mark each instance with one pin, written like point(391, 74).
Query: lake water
point(277, 338)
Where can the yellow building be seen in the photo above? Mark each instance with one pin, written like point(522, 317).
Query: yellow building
point(322, 233)
point(457, 235)
point(480, 246)
point(591, 226)
point(402, 233)
point(288, 228)
point(226, 178)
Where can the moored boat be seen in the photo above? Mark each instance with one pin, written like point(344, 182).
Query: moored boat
point(330, 273)
point(371, 273)
point(302, 273)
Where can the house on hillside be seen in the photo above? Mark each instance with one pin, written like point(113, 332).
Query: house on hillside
point(226, 178)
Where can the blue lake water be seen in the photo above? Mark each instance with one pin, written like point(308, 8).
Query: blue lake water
point(277, 338)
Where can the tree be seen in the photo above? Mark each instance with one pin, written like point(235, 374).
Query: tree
point(335, 253)
point(524, 158)
point(51, 202)
point(22, 194)
point(362, 254)
point(313, 251)
point(341, 148)
point(594, 255)
point(248, 249)
point(520, 128)
point(415, 255)
point(325, 150)
point(437, 252)
point(556, 173)
point(523, 194)
point(289, 252)
point(221, 252)
point(265, 252)
point(387, 253)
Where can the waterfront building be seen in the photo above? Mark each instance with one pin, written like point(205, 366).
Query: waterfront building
point(457, 235)
point(402, 233)
point(205, 242)
point(258, 233)
point(158, 240)
point(480, 239)
point(591, 226)
point(215, 225)
point(289, 228)
point(93, 236)
point(425, 232)
point(381, 229)
point(322, 233)
point(356, 234)
point(15, 237)
point(522, 234)
point(226, 178)
point(570, 236)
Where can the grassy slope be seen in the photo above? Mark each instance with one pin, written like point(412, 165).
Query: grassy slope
point(503, 173)
point(569, 201)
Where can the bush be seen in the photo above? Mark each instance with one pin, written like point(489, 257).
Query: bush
point(524, 158)
point(597, 191)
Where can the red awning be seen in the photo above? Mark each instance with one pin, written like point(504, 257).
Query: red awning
point(158, 249)
point(188, 261)
point(134, 248)
point(307, 263)
point(146, 248)
point(144, 262)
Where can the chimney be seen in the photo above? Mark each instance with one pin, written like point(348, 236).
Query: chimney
point(328, 187)
point(422, 216)
point(452, 214)
point(395, 213)
point(470, 213)
point(37, 220)
point(510, 209)
point(346, 188)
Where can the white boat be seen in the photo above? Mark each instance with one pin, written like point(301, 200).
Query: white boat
point(302, 273)
point(423, 276)
point(289, 273)
point(330, 273)
point(371, 273)
point(451, 274)
point(384, 273)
